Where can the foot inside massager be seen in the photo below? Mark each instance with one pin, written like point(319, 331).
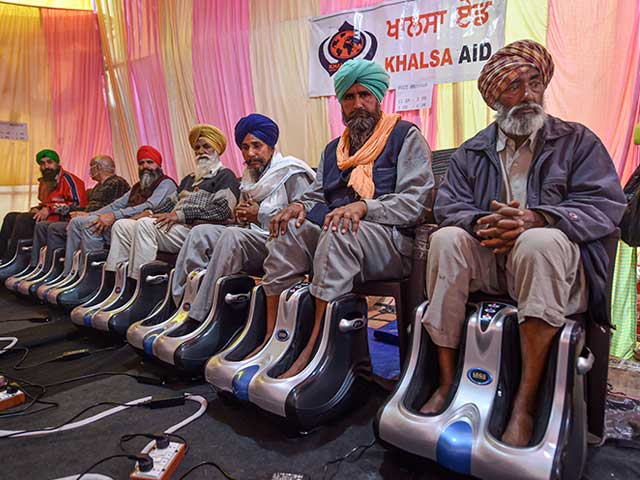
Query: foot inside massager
point(465, 436)
point(52, 271)
point(107, 284)
point(329, 383)
point(190, 345)
point(19, 263)
point(142, 334)
point(56, 277)
point(114, 299)
point(87, 283)
point(50, 292)
point(14, 281)
point(222, 368)
point(150, 291)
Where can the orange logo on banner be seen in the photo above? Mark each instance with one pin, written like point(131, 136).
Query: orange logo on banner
point(345, 44)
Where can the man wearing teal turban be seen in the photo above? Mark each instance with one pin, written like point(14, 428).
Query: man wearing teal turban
point(354, 223)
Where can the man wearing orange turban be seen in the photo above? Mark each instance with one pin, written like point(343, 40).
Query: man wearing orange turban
point(523, 211)
point(93, 231)
point(355, 222)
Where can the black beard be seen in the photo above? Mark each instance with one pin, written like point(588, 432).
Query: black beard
point(361, 124)
point(148, 177)
point(49, 175)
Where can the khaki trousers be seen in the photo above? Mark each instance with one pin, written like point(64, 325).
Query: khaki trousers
point(543, 273)
point(139, 242)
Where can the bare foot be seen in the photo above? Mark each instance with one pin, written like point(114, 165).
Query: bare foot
point(300, 363)
point(436, 402)
point(519, 429)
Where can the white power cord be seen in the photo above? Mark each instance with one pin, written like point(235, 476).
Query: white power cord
point(12, 341)
point(99, 416)
point(196, 398)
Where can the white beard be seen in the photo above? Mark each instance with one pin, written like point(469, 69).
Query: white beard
point(520, 125)
point(206, 165)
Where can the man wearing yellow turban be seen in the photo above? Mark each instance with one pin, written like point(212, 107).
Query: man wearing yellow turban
point(207, 195)
point(523, 210)
point(355, 222)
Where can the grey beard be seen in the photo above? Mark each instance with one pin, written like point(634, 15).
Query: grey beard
point(520, 126)
point(147, 178)
point(361, 124)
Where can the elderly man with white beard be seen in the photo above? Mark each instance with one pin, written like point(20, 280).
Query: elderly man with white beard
point(524, 208)
point(207, 195)
point(270, 182)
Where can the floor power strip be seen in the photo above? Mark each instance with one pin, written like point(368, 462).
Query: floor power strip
point(10, 397)
point(165, 462)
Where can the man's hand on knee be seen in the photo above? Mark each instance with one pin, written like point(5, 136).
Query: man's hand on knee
point(102, 223)
point(166, 220)
point(349, 214)
point(279, 223)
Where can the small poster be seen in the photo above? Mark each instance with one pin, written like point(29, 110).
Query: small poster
point(13, 131)
point(413, 95)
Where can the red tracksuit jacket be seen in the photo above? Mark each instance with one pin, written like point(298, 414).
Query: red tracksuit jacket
point(69, 192)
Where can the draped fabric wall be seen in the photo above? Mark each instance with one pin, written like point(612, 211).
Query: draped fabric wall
point(77, 87)
point(168, 64)
point(222, 68)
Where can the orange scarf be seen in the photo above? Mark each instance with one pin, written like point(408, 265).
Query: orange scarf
point(361, 179)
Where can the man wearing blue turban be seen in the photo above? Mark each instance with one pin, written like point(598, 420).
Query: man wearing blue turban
point(355, 223)
point(270, 182)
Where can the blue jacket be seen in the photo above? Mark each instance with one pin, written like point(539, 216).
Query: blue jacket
point(571, 178)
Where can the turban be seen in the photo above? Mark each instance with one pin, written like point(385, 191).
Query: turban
point(370, 75)
point(52, 154)
point(502, 68)
point(211, 134)
point(146, 151)
point(259, 126)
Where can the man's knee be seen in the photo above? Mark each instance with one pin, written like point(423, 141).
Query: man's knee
point(538, 243)
point(41, 229)
point(449, 239)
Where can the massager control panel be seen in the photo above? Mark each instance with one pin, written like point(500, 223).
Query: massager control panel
point(295, 288)
point(488, 312)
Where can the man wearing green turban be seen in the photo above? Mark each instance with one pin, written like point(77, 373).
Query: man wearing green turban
point(58, 191)
point(355, 222)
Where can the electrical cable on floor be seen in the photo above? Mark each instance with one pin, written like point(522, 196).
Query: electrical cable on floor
point(138, 458)
point(153, 436)
point(63, 357)
point(12, 341)
point(203, 464)
point(360, 449)
point(147, 402)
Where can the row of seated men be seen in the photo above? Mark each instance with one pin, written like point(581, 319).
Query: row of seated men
point(523, 209)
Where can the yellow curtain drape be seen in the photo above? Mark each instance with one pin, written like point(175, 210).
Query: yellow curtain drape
point(25, 91)
point(280, 68)
point(175, 24)
point(123, 121)
point(461, 110)
point(66, 4)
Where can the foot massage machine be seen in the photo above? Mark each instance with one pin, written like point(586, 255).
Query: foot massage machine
point(143, 333)
point(186, 343)
point(50, 271)
point(326, 387)
point(465, 437)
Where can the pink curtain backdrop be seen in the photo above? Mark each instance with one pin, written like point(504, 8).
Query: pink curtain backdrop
point(76, 75)
point(222, 69)
point(596, 50)
point(389, 102)
point(147, 79)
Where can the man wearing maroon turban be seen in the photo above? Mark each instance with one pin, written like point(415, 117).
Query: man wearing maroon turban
point(523, 210)
point(93, 231)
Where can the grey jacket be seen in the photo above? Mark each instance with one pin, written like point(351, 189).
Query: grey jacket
point(403, 208)
point(571, 179)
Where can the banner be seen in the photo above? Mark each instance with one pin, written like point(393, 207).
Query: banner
point(439, 41)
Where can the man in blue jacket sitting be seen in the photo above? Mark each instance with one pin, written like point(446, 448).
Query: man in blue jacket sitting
point(524, 207)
